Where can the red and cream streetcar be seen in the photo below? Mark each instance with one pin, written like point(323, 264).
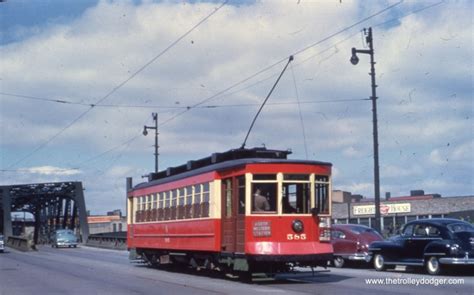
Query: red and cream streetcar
point(242, 211)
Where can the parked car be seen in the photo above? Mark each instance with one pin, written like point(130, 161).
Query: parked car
point(430, 243)
point(2, 244)
point(63, 238)
point(351, 242)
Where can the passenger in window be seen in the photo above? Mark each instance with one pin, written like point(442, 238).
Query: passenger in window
point(287, 208)
point(261, 203)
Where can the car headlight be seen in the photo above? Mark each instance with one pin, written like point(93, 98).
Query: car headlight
point(454, 249)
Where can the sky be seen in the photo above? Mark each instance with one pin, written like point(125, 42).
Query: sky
point(80, 79)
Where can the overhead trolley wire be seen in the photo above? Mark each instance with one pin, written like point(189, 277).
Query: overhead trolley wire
point(271, 66)
point(188, 108)
point(45, 143)
point(281, 61)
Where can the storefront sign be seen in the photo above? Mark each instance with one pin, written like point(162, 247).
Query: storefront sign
point(384, 209)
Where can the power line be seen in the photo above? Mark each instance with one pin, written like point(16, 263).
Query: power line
point(266, 69)
point(41, 146)
point(271, 66)
point(300, 113)
point(281, 60)
point(188, 108)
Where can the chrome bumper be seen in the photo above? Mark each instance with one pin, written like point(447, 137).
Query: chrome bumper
point(360, 257)
point(458, 261)
point(66, 244)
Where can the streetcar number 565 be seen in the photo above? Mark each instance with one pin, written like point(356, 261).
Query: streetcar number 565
point(295, 237)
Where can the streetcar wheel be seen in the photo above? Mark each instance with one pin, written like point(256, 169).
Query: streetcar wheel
point(246, 277)
point(433, 267)
point(338, 262)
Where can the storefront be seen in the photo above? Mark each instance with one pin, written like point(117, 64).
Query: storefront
point(397, 211)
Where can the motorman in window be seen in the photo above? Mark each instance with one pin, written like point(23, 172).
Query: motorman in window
point(260, 202)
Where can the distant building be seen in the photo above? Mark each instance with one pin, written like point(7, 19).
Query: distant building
point(112, 222)
point(396, 211)
point(345, 197)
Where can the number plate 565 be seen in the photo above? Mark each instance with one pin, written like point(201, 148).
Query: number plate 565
point(295, 237)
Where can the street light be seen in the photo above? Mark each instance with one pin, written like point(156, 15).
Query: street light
point(355, 60)
point(145, 133)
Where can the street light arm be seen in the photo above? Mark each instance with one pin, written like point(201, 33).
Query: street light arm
point(365, 51)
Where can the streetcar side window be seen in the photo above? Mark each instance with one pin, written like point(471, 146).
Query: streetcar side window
point(322, 193)
point(189, 202)
point(160, 206)
point(205, 200)
point(241, 187)
point(181, 197)
point(147, 208)
point(197, 201)
point(173, 204)
point(137, 210)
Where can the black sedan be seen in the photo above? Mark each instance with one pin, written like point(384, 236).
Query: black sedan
point(430, 243)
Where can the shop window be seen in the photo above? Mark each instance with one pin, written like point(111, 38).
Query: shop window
point(364, 221)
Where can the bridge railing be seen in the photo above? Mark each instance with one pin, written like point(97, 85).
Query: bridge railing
point(20, 243)
point(113, 240)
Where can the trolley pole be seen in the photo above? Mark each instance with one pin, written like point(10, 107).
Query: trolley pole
point(354, 61)
point(145, 132)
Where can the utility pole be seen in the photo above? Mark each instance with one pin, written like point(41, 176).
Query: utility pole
point(354, 61)
point(145, 132)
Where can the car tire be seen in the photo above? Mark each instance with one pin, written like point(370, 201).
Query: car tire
point(339, 262)
point(433, 267)
point(379, 262)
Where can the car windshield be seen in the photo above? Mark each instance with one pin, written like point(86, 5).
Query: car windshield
point(64, 233)
point(457, 227)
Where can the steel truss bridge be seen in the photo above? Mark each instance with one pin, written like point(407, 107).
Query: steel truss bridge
point(58, 205)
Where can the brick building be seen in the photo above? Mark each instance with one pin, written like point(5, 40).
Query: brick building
point(112, 222)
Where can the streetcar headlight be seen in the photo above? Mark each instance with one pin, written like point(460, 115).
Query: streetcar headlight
point(324, 229)
point(297, 226)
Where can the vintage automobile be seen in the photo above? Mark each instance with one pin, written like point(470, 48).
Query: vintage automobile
point(2, 244)
point(63, 238)
point(430, 243)
point(351, 243)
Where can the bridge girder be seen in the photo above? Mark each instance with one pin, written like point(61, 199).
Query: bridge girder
point(54, 205)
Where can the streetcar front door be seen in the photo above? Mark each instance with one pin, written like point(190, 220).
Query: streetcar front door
point(233, 214)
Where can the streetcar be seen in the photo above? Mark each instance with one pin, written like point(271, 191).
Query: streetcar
point(240, 212)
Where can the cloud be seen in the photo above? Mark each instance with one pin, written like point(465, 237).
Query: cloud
point(424, 78)
point(50, 170)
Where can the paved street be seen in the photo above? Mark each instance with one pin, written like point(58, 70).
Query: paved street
point(96, 271)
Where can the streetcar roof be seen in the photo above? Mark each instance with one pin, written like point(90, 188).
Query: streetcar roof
point(223, 166)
